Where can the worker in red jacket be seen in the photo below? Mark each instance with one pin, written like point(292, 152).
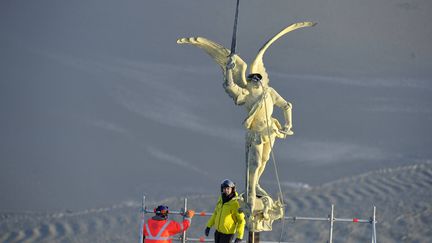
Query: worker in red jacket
point(159, 229)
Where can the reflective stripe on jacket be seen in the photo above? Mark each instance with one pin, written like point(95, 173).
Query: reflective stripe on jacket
point(160, 231)
point(227, 219)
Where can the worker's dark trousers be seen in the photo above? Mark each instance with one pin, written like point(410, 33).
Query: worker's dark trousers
point(222, 238)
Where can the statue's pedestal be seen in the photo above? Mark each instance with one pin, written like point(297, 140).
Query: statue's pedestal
point(265, 212)
point(254, 237)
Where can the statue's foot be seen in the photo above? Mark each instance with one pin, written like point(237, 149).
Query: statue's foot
point(260, 192)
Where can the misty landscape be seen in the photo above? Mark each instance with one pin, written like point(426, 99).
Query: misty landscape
point(100, 106)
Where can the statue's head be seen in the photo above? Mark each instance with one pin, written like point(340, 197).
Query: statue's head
point(254, 79)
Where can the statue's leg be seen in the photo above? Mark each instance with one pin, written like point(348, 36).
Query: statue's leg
point(265, 156)
point(254, 160)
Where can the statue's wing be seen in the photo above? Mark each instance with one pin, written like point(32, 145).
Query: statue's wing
point(220, 55)
point(257, 65)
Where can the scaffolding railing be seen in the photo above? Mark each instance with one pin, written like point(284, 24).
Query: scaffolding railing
point(331, 219)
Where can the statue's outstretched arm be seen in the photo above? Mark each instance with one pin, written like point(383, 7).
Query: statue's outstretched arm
point(286, 108)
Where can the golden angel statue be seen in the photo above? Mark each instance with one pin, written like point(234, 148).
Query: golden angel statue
point(254, 93)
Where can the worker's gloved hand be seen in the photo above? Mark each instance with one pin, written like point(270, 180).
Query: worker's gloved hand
point(207, 231)
point(189, 214)
point(237, 240)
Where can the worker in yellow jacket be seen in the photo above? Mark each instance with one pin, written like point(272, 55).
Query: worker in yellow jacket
point(226, 217)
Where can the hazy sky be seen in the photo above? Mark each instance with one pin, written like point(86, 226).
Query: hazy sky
point(98, 103)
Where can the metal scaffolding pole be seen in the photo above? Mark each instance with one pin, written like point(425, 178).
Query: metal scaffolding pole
point(331, 218)
point(373, 221)
point(353, 220)
point(143, 212)
point(184, 210)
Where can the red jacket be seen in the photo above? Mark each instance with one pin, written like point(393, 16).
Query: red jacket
point(159, 231)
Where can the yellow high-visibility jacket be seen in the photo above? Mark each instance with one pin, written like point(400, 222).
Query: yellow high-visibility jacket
point(227, 219)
